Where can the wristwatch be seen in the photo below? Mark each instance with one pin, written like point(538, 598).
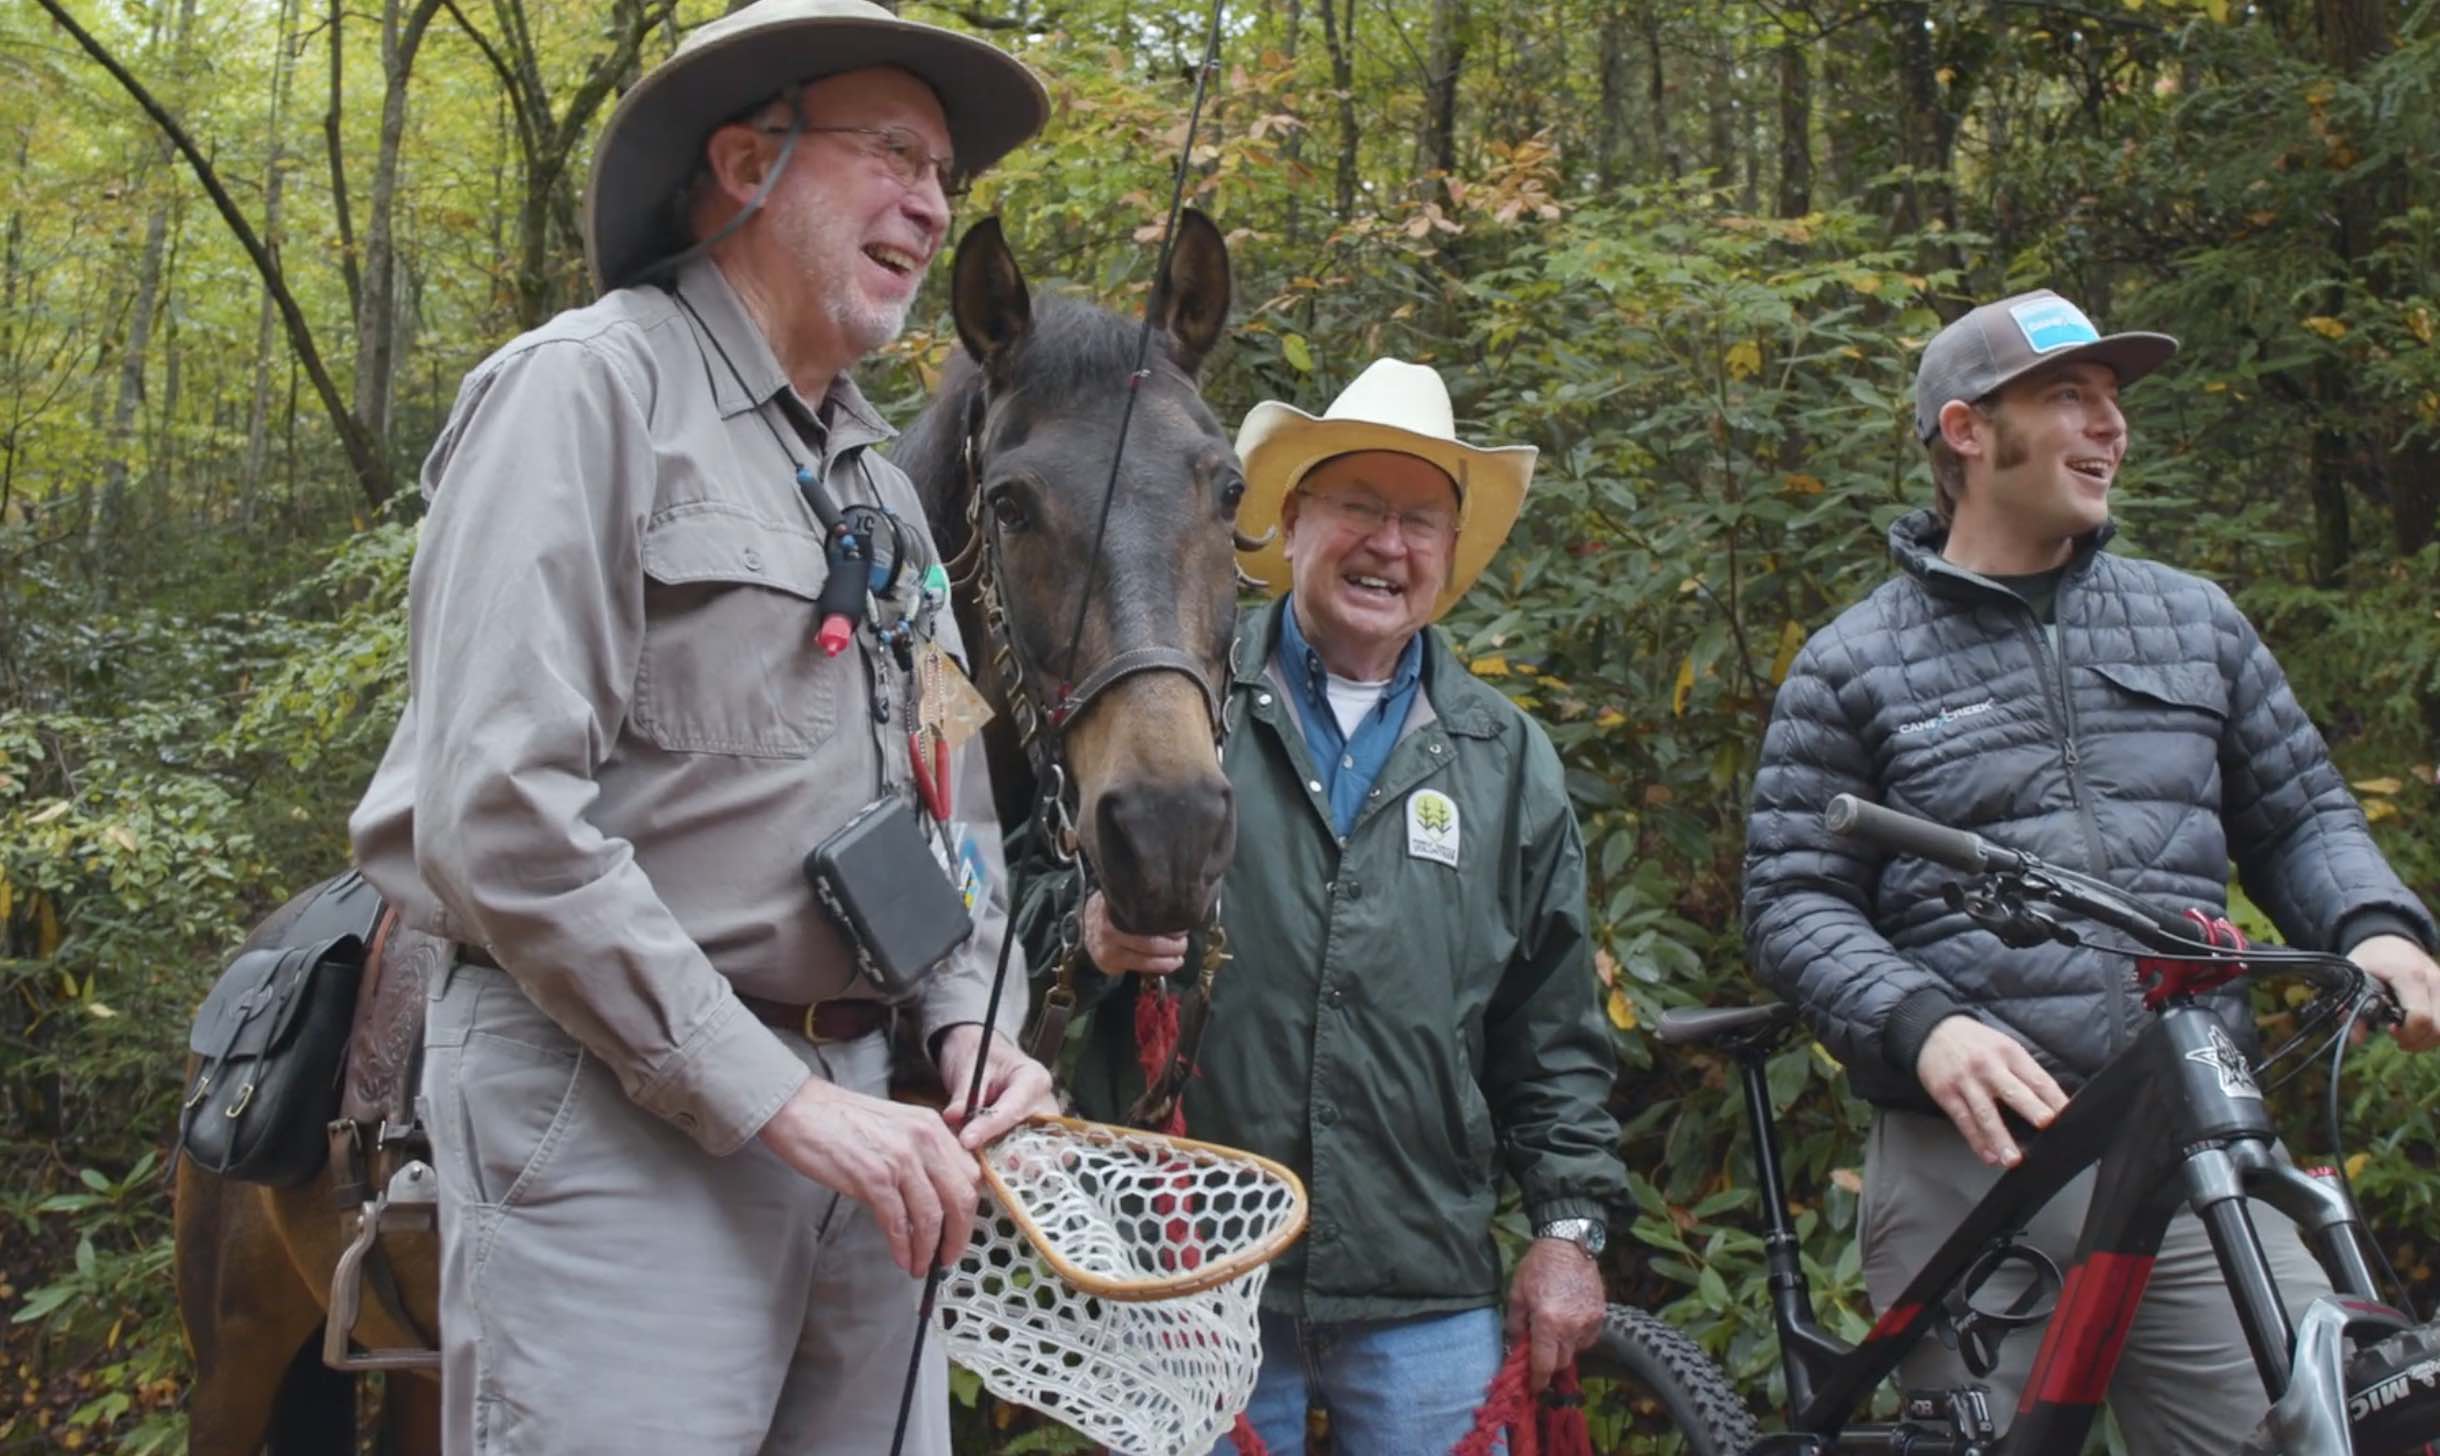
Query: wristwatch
point(1587, 1234)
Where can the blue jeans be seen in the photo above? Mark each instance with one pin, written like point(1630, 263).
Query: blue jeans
point(1404, 1387)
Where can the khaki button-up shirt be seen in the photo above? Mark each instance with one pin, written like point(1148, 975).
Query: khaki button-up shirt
point(620, 738)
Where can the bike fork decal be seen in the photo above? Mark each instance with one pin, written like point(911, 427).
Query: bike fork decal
point(2080, 1349)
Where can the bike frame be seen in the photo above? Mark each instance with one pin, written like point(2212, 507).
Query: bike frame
point(2169, 1122)
point(2175, 1119)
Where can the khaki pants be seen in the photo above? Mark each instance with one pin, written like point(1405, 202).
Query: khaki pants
point(2185, 1385)
point(607, 1288)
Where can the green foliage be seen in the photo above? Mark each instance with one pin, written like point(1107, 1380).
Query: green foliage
point(195, 685)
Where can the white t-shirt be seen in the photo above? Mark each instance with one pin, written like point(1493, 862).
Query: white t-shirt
point(1351, 700)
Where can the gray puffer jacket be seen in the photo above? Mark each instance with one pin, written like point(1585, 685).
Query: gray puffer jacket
point(2148, 738)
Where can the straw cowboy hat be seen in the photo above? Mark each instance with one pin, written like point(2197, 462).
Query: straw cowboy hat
point(655, 137)
point(1392, 405)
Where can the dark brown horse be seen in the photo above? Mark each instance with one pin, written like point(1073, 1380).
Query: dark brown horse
point(1039, 396)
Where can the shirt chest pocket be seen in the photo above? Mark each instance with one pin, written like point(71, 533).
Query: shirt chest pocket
point(729, 662)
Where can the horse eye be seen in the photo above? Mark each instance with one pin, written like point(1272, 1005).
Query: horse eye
point(1006, 508)
point(1232, 493)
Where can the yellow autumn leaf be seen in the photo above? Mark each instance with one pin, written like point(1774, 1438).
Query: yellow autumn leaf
point(1802, 484)
point(2379, 786)
point(1622, 1010)
point(2419, 323)
point(2326, 326)
point(1848, 1179)
point(46, 928)
point(1744, 359)
point(2355, 1165)
point(1490, 666)
point(2217, 10)
point(122, 836)
point(100, 1010)
point(58, 807)
point(1606, 965)
point(2377, 810)
point(1684, 689)
point(1791, 641)
point(1609, 718)
point(8, 900)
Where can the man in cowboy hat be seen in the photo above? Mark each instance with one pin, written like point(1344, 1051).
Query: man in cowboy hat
point(2112, 715)
point(1410, 1009)
point(678, 1211)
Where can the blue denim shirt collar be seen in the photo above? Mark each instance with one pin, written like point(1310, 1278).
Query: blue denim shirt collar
point(1348, 766)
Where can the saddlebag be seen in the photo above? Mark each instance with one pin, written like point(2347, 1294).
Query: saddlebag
point(269, 1043)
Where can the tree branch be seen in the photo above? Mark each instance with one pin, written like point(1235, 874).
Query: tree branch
point(372, 469)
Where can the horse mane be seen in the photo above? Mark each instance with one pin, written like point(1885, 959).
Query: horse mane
point(1071, 346)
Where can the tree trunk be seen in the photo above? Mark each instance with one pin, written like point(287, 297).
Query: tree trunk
point(1437, 147)
point(1795, 196)
point(1343, 86)
point(376, 318)
point(1613, 96)
point(1656, 90)
point(333, 147)
point(1294, 147)
point(131, 382)
point(275, 169)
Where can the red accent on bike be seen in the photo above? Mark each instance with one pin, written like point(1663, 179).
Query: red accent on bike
point(2080, 1348)
point(2163, 978)
point(1898, 1318)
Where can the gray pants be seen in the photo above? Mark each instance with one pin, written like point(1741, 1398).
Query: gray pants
point(608, 1288)
point(2185, 1385)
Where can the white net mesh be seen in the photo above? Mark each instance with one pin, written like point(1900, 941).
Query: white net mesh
point(1114, 1277)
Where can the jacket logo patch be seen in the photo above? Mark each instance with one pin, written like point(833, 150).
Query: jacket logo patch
point(1431, 826)
point(1946, 716)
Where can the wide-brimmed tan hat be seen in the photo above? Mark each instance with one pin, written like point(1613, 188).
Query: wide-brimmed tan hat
point(652, 141)
point(1392, 405)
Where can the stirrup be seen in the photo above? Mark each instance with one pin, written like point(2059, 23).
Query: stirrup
point(410, 1204)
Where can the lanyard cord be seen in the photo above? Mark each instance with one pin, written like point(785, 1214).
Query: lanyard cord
point(1143, 345)
point(833, 523)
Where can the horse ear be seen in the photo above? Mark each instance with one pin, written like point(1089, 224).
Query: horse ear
point(1190, 303)
point(988, 297)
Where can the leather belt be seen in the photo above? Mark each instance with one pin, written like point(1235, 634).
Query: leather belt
point(840, 1019)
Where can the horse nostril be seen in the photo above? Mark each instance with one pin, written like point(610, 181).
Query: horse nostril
point(1165, 843)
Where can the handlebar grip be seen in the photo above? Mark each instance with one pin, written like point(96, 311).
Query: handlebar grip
point(1906, 834)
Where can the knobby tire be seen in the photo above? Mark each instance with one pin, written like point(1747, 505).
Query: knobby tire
point(1669, 1385)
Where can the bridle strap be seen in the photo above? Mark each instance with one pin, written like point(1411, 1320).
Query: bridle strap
point(1122, 665)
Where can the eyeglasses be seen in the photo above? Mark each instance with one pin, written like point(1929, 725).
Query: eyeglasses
point(899, 150)
point(1424, 526)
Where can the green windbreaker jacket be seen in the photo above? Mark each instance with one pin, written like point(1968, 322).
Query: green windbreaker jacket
point(1405, 1016)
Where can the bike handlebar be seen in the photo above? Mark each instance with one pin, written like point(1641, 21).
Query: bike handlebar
point(2097, 900)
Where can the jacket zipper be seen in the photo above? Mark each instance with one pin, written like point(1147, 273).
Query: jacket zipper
point(2055, 688)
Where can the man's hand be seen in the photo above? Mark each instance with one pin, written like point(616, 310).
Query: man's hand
point(1119, 953)
point(1015, 1086)
point(2407, 970)
point(1971, 1071)
point(1555, 1302)
point(897, 1160)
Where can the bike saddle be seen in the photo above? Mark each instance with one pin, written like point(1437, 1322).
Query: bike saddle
point(1701, 1025)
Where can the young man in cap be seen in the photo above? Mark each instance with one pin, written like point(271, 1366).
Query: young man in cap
point(678, 1211)
point(2116, 716)
point(1410, 1009)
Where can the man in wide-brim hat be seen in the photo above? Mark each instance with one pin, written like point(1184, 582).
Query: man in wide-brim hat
point(678, 1212)
point(1411, 1008)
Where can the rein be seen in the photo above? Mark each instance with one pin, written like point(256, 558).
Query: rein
point(1041, 711)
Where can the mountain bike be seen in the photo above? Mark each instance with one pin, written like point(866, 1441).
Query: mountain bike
point(2176, 1120)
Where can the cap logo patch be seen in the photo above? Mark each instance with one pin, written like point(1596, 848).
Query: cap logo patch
point(2053, 323)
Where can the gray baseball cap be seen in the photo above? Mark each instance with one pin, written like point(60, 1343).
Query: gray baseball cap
point(2000, 342)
